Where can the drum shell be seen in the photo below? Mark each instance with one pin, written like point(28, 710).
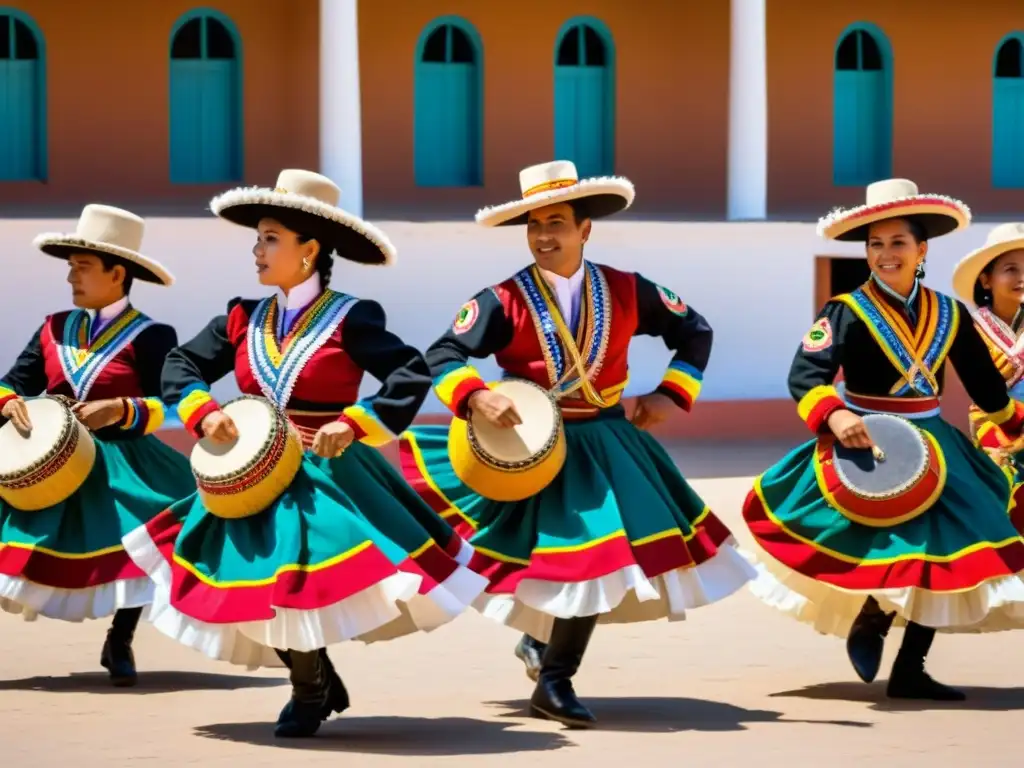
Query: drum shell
point(502, 483)
point(255, 491)
point(64, 477)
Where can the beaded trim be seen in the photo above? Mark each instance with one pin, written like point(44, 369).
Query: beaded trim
point(53, 460)
point(83, 362)
point(277, 372)
point(525, 464)
point(260, 466)
point(1000, 335)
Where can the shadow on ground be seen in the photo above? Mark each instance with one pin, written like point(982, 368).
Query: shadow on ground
point(669, 715)
point(408, 736)
point(149, 682)
point(979, 699)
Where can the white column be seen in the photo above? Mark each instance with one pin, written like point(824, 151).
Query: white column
point(748, 111)
point(341, 145)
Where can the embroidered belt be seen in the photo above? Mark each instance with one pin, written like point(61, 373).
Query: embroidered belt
point(911, 407)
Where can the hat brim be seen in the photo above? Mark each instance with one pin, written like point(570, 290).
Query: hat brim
point(605, 196)
point(970, 267)
point(349, 236)
point(63, 246)
point(938, 215)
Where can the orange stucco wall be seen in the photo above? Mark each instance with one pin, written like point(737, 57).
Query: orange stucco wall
point(107, 71)
point(672, 64)
point(942, 83)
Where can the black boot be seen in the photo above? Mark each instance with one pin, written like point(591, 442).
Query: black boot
point(866, 640)
point(117, 657)
point(530, 651)
point(337, 696)
point(302, 715)
point(908, 680)
point(554, 697)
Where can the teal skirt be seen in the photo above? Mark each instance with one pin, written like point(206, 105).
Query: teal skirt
point(619, 532)
point(67, 561)
point(955, 566)
point(349, 551)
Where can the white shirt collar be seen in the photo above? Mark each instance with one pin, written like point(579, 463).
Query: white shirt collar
point(567, 290)
point(109, 312)
point(302, 295)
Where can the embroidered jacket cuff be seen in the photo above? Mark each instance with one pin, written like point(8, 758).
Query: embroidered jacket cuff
point(366, 424)
point(6, 394)
point(195, 405)
point(1010, 419)
point(455, 386)
point(682, 384)
point(817, 405)
point(142, 415)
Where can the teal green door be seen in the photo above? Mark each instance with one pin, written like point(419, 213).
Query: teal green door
point(584, 102)
point(22, 134)
point(447, 110)
point(1008, 116)
point(862, 121)
point(205, 104)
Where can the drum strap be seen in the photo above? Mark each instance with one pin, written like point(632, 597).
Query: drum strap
point(576, 366)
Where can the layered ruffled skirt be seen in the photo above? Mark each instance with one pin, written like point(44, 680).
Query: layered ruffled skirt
point(618, 533)
point(349, 551)
point(957, 567)
point(67, 561)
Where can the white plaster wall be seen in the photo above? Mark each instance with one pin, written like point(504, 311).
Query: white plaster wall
point(753, 281)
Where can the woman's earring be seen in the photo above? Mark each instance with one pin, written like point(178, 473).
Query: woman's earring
point(305, 265)
point(919, 272)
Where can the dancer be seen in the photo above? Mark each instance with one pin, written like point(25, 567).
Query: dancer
point(956, 564)
point(349, 550)
point(66, 561)
point(619, 535)
point(992, 278)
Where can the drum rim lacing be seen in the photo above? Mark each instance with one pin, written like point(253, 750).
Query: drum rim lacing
point(53, 459)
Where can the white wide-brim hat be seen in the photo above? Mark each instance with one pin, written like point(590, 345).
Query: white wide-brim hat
point(108, 231)
point(1002, 239)
point(895, 199)
point(558, 182)
point(307, 203)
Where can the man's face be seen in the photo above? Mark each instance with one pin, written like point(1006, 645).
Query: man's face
point(93, 286)
point(556, 239)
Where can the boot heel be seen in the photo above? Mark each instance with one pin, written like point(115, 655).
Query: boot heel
point(554, 697)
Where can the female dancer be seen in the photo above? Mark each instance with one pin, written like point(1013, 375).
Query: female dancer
point(618, 535)
point(992, 278)
point(956, 565)
point(349, 550)
point(66, 561)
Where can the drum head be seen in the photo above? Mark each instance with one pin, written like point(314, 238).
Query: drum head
point(18, 452)
point(254, 419)
point(525, 441)
point(906, 458)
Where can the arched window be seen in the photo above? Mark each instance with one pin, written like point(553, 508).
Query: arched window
point(448, 105)
point(585, 97)
point(22, 98)
point(1008, 114)
point(862, 117)
point(206, 99)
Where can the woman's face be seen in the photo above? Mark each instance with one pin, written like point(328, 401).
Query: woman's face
point(893, 254)
point(1005, 281)
point(281, 260)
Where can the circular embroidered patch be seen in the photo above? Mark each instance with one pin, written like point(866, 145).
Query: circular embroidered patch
point(819, 337)
point(672, 301)
point(467, 316)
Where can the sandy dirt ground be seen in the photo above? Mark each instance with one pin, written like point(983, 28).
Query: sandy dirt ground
point(735, 684)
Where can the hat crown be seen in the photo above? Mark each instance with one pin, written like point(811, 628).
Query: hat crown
point(545, 176)
point(886, 191)
point(112, 226)
point(297, 182)
point(1004, 233)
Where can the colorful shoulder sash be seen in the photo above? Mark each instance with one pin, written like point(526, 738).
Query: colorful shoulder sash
point(572, 362)
point(1006, 348)
point(277, 367)
point(917, 354)
point(83, 362)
